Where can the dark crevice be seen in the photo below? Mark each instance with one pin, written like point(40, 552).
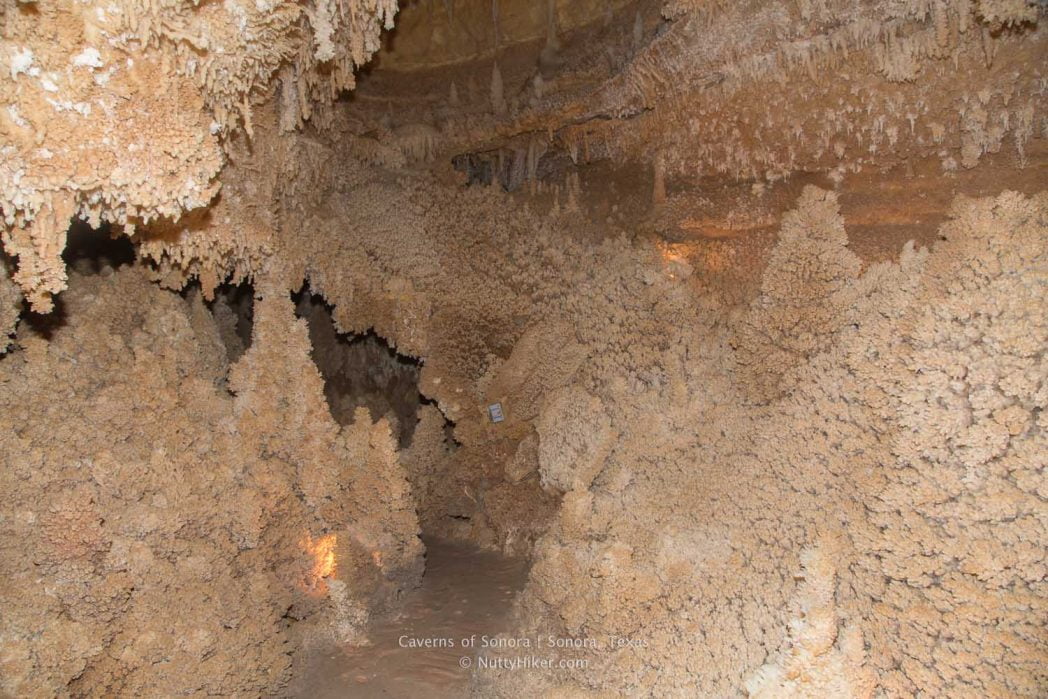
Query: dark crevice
point(513, 166)
point(89, 251)
point(233, 309)
point(44, 324)
point(362, 370)
point(94, 250)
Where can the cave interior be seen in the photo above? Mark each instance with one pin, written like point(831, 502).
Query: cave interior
point(511, 348)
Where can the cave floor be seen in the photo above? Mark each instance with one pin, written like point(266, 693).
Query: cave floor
point(465, 592)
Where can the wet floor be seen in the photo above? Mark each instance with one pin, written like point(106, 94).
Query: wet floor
point(465, 592)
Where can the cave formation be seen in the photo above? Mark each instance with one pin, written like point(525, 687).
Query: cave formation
point(686, 347)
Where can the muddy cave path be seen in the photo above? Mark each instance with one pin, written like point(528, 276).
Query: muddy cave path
point(465, 591)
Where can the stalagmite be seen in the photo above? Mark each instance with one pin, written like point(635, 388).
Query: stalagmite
point(362, 348)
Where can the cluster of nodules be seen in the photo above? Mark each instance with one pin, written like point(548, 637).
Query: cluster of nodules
point(822, 478)
point(203, 512)
point(238, 470)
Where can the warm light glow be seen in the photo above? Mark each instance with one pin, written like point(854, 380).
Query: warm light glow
point(675, 252)
point(323, 552)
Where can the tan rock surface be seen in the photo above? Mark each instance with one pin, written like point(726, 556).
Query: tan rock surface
point(759, 286)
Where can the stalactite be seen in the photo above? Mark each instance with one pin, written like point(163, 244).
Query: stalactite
point(496, 28)
point(552, 42)
point(498, 100)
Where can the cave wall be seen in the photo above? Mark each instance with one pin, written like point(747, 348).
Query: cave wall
point(747, 425)
point(160, 533)
point(436, 33)
point(837, 538)
point(117, 111)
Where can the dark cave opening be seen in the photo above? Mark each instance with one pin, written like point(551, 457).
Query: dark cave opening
point(233, 308)
point(93, 250)
point(362, 370)
point(89, 251)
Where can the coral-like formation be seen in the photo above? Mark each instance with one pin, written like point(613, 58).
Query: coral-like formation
point(724, 315)
point(899, 431)
point(110, 523)
point(349, 478)
point(956, 513)
point(115, 111)
point(574, 435)
point(154, 542)
point(10, 305)
point(806, 294)
point(814, 666)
